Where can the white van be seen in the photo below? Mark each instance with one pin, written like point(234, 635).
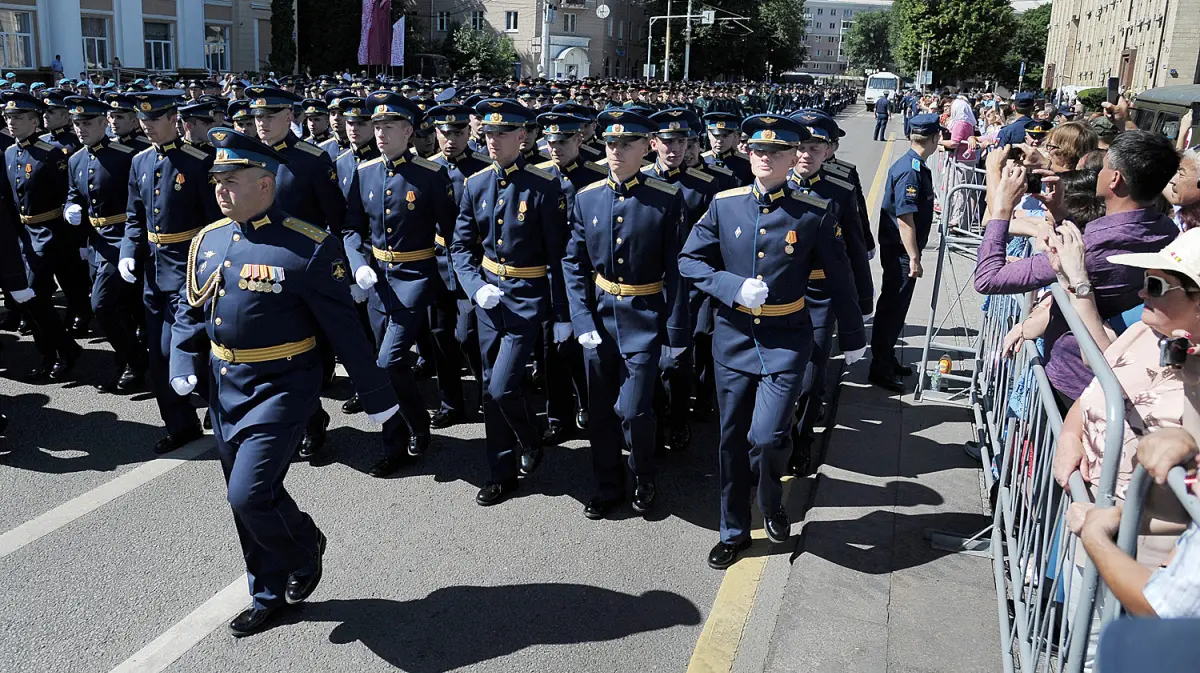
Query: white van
point(879, 84)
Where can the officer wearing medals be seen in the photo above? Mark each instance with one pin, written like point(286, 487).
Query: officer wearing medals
point(260, 284)
point(507, 251)
point(397, 203)
point(97, 196)
point(627, 304)
point(753, 253)
point(723, 138)
point(809, 177)
point(675, 129)
point(170, 200)
point(567, 404)
point(905, 219)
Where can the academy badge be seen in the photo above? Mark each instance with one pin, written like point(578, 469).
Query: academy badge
point(339, 269)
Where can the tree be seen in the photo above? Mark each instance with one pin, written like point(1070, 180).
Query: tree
point(966, 38)
point(772, 33)
point(1028, 45)
point(283, 27)
point(328, 34)
point(481, 53)
point(868, 44)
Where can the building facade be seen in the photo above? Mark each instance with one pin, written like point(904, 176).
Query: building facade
point(582, 44)
point(1144, 43)
point(826, 23)
point(145, 35)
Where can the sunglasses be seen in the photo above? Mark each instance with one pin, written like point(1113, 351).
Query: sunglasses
point(1157, 286)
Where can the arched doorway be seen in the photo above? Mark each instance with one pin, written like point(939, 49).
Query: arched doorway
point(572, 63)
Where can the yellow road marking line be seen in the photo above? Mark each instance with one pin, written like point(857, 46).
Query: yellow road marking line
point(875, 195)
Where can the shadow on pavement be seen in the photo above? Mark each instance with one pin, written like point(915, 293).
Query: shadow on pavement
point(883, 542)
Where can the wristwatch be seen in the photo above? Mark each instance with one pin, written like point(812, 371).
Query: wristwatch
point(1082, 290)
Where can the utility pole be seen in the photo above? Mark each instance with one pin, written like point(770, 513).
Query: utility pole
point(687, 49)
point(667, 48)
point(547, 18)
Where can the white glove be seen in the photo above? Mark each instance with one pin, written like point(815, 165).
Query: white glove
point(22, 296)
point(358, 294)
point(184, 385)
point(488, 296)
point(125, 266)
point(562, 332)
point(365, 277)
point(382, 417)
point(855, 355)
point(590, 340)
point(752, 293)
point(74, 214)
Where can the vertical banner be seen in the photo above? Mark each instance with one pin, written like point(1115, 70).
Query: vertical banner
point(364, 38)
point(398, 43)
point(375, 41)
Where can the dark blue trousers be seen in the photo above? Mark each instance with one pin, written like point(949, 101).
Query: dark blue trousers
point(812, 393)
point(881, 128)
point(508, 419)
point(447, 352)
point(895, 295)
point(566, 377)
point(177, 412)
point(116, 306)
point(621, 407)
point(399, 333)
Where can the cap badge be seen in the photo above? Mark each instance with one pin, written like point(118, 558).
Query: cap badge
point(220, 136)
point(495, 117)
point(768, 134)
point(146, 107)
point(618, 128)
point(553, 128)
point(222, 154)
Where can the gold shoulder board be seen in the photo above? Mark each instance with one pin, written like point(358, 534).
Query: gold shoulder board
point(314, 232)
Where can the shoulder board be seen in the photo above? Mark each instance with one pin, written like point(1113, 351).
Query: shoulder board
point(736, 191)
point(539, 172)
point(546, 165)
point(344, 154)
point(811, 200)
point(480, 172)
point(647, 169)
point(602, 163)
point(840, 183)
point(595, 167)
point(741, 155)
point(843, 163)
point(439, 155)
point(215, 225)
point(372, 162)
point(836, 169)
point(718, 169)
point(697, 173)
point(595, 185)
point(315, 233)
point(193, 151)
point(120, 148)
point(709, 153)
point(43, 145)
point(482, 156)
point(663, 186)
point(148, 150)
point(305, 146)
point(425, 163)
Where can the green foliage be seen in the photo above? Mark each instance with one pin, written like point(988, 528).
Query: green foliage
point(283, 25)
point(966, 38)
point(868, 45)
point(1028, 45)
point(772, 34)
point(1093, 99)
point(479, 53)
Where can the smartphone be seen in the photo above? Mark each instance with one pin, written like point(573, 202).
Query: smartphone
point(1173, 352)
point(1114, 91)
point(1033, 183)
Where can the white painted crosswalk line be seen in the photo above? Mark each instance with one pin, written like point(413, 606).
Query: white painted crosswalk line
point(183, 636)
point(77, 507)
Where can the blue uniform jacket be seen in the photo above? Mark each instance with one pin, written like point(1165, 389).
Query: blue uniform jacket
point(574, 177)
point(909, 191)
point(459, 169)
point(629, 233)
point(744, 235)
point(733, 160)
point(1014, 133)
point(63, 137)
point(170, 192)
point(98, 182)
point(517, 216)
point(13, 274)
point(307, 186)
point(348, 161)
point(882, 108)
point(37, 176)
point(849, 172)
point(844, 209)
point(399, 206)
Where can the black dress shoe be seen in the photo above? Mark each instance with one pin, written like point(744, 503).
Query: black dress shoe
point(390, 464)
point(65, 362)
point(79, 326)
point(314, 436)
point(495, 493)
point(171, 442)
point(444, 419)
point(111, 386)
point(598, 508)
point(207, 422)
point(681, 438)
point(779, 528)
point(301, 584)
point(25, 328)
point(889, 383)
point(421, 369)
point(581, 419)
point(352, 405)
point(530, 459)
point(643, 495)
point(252, 620)
point(40, 373)
point(132, 380)
point(725, 554)
point(902, 370)
point(419, 444)
point(555, 433)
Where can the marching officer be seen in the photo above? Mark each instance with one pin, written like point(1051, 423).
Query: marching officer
point(317, 119)
point(627, 304)
point(197, 120)
point(397, 203)
point(905, 219)
point(759, 243)
point(97, 196)
point(507, 251)
point(849, 172)
point(723, 137)
point(239, 116)
point(337, 142)
point(58, 120)
point(122, 121)
point(259, 286)
point(170, 201)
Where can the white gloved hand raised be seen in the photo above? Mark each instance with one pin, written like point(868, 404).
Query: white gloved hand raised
point(126, 266)
point(73, 214)
point(22, 296)
point(855, 355)
point(752, 293)
point(184, 385)
point(365, 277)
point(590, 340)
point(488, 296)
point(382, 417)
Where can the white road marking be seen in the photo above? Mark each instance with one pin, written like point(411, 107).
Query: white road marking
point(161, 652)
point(77, 507)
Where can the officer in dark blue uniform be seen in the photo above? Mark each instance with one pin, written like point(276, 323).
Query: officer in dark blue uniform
point(239, 115)
point(122, 121)
point(361, 139)
point(1014, 132)
point(807, 177)
point(170, 201)
point(397, 203)
point(627, 304)
point(849, 172)
point(60, 134)
point(905, 219)
point(566, 378)
point(507, 251)
point(753, 252)
point(58, 120)
point(883, 111)
point(260, 284)
point(338, 142)
point(316, 119)
point(723, 137)
point(676, 127)
point(197, 118)
point(587, 151)
point(97, 196)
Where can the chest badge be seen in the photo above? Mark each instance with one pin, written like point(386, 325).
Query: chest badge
point(737, 233)
point(371, 196)
point(209, 253)
point(790, 239)
point(595, 221)
point(411, 197)
point(28, 169)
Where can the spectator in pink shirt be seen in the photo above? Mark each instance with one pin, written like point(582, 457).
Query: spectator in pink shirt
point(962, 126)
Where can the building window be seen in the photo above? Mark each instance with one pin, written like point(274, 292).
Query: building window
point(820, 11)
point(160, 45)
point(818, 24)
point(16, 39)
point(477, 20)
point(610, 26)
point(829, 39)
point(570, 21)
point(216, 48)
point(510, 22)
point(95, 41)
point(621, 29)
point(443, 21)
point(804, 38)
point(847, 25)
point(808, 23)
point(607, 65)
point(848, 12)
point(832, 12)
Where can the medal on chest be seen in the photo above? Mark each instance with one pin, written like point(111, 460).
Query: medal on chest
point(179, 180)
point(411, 197)
point(521, 211)
point(790, 241)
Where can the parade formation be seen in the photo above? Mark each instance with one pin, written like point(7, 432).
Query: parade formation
point(644, 251)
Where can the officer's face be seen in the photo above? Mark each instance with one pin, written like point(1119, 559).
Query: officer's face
point(691, 156)
point(504, 146)
point(452, 141)
point(22, 124)
point(245, 193)
point(245, 126)
point(160, 130)
point(625, 155)
point(318, 124)
point(196, 129)
point(336, 123)
point(722, 142)
point(56, 118)
point(530, 142)
point(772, 163)
point(566, 150)
point(359, 132)
point(90, 131)
point(810, 155)
point(425, 145)
point(392, 136)
point(671, 151)
point(273, 125)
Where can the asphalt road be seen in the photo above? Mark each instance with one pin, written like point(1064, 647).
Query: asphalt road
point(110, 558)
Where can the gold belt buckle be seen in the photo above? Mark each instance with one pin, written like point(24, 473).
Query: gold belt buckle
point(616, 288)
point(756, 311)
point(501, 270)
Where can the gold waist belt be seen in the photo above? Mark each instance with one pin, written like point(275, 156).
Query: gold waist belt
point(99, 222)
point(168, 239)
point(774, 310)
point(623, 290)
point(503, 270)
point(410, 256)
point(267, 354)
point(43, 217)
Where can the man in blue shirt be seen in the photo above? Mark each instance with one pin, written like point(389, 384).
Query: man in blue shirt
point(1014, 133)
point(883, 110)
